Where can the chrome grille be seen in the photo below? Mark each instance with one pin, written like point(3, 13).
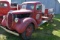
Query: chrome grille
point(9, 19)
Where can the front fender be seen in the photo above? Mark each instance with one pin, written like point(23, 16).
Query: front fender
point(20, 28)
point(3, 23)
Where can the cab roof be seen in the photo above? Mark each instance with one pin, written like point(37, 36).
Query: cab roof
point(31, 2)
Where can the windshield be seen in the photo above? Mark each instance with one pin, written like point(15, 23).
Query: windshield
point(3, 4)
point(28, 6)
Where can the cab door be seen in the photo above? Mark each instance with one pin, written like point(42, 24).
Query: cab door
point(38, 13)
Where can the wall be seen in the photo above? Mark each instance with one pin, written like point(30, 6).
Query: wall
point(48, 3)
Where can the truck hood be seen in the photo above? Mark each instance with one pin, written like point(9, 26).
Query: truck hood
point(21, 11)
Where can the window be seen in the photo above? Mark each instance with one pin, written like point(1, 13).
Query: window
point(28, 6)
point(24, 6)
point(38, 7)
point(3, 5)
point(13, 5)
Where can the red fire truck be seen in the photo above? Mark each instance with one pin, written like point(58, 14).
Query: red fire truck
point(5, 7)
point(24, 21)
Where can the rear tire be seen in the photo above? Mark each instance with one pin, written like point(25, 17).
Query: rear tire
point(51, 19)
point(26, 35)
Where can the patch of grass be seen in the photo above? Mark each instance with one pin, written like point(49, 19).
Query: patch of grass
point(47, 31)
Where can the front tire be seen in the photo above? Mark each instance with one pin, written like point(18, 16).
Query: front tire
point(26, 35)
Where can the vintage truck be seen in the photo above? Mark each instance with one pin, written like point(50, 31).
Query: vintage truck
point(5, 7)
point(24, 21)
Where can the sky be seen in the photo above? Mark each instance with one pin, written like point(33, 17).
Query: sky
point(59, 1)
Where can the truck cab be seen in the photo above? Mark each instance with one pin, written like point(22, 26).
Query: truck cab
point(36, 9)
point(25, 20)
point(5, 7)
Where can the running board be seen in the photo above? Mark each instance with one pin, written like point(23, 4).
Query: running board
point(44, 21)
point(44, 17)
point(10, 31)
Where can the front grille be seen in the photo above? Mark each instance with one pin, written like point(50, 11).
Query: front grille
point(10, 17)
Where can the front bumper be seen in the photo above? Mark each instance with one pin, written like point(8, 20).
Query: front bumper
point(9, 31)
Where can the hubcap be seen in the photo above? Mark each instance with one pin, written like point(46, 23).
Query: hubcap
point(29, 31)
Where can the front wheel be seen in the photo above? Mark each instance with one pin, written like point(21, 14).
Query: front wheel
point(26, 35)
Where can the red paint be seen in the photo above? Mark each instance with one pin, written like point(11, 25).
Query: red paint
point(5, 10)
point(22, 23)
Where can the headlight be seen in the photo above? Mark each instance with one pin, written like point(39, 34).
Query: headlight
point(4, 17)
point(16, 20)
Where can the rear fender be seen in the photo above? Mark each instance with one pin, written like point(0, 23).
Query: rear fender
point(20, 28)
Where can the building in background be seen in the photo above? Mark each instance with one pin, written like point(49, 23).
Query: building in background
point(6, 0)
point(48, 3)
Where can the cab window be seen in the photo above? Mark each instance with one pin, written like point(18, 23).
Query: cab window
point(3, 5)
point(28, 6)
point(38, 7)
